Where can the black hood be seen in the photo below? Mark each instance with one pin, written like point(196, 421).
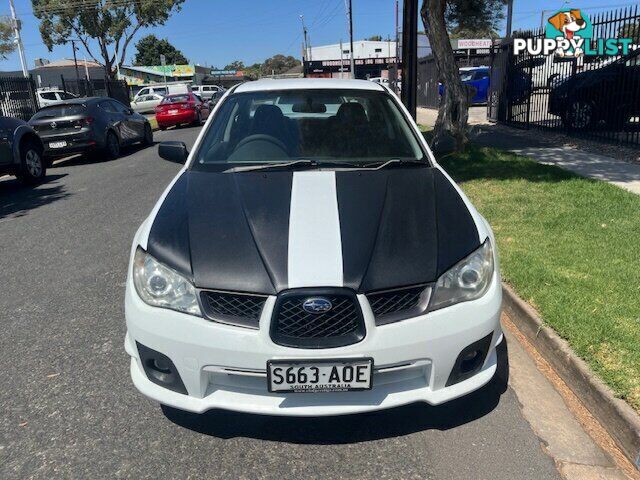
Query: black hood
point(397, 227)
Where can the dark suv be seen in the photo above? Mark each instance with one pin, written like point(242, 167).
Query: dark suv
point(87, 124)
point(21, 151)
point(610, 94)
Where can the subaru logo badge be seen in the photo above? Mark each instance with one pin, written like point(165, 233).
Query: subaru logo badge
point(317, 305)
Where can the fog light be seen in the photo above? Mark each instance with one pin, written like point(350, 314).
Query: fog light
point(470, 360)
point(160, 369)
point(161, 365)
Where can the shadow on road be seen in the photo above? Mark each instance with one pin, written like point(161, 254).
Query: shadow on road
point(95, 156)
point(17, 199)
point(351, 428)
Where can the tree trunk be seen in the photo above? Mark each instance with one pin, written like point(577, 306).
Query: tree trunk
point(109, 71)
point(453, 112)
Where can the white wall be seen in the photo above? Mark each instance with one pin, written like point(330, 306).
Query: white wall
point(362, 49)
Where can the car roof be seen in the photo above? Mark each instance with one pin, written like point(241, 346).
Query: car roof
point(267, 85)
point(80, 101)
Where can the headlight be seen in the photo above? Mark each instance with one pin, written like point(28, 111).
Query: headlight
point(160, 286)
point(467, 280)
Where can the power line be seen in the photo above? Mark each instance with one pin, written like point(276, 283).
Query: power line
point(600, 7)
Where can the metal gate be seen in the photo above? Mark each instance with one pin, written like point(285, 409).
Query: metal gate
point(117, 89)
point(592, 96)
point(18, 97)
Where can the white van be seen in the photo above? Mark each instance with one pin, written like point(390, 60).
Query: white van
point(163, 90)
point(207, 92)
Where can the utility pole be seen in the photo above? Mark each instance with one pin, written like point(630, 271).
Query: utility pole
point(341, 60)
point(75, 61)
point(353, 60)
point(509, 17)
point(306, 41)
point(410, 55)
point(18, 39)
point(163, 62)
point(395, 81)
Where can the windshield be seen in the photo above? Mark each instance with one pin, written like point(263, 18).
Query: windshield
point(60, 111)
point(175, 99)
point(353, 126)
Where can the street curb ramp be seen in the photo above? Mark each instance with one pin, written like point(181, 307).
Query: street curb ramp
point(615, 415)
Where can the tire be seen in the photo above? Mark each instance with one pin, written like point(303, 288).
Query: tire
point(32, 164)
point(147, 140)
point(580, 115)
point(112, 146)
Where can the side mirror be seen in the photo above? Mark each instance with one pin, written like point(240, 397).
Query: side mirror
point(175, 152)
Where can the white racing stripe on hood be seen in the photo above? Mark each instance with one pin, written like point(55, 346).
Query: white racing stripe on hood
point(315, 248)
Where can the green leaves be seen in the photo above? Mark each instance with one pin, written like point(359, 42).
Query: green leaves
point(151, 47)
point(6, 38)
point(111, 24)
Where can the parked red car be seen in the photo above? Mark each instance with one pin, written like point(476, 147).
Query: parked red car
point(182, 108)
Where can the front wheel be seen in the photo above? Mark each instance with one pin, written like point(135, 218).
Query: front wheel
point(32, 164)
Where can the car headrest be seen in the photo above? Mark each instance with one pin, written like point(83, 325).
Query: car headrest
point(266, 114)
point(352, 113)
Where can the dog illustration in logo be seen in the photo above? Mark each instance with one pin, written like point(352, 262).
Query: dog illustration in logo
point(569, 23)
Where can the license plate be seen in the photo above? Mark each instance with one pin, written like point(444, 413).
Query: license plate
point(58, 144)
point(316, 376)
point(173, 112)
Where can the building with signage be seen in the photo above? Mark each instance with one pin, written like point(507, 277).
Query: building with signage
point(138, 76)
point(372, 59)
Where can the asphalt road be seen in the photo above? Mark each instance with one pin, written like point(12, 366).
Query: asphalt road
point(69, 410)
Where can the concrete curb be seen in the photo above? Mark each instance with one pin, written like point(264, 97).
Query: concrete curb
point(618, 418)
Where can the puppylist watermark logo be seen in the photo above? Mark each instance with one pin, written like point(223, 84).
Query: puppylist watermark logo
point(569, 33)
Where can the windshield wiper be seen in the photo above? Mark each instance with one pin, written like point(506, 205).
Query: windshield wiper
point(394, 161)
point(325, 163)
point(268, 166)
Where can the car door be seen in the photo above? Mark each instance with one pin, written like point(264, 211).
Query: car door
point(202, 106)
point(143, 104)
point(142, 93)
point(481, 84)
point(132, 124)
point(117, 119)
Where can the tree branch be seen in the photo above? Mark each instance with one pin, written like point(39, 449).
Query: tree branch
point(127, 40)
point(85, 44)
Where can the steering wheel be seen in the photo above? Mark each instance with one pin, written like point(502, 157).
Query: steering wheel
point(262, 138)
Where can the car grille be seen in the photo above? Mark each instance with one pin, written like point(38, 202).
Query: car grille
point(233, 308)
point(293, 326)
point(394, 305)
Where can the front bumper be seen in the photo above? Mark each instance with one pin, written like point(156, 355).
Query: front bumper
point(224, 366)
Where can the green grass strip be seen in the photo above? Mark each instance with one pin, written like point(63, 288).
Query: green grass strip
point(569, 246)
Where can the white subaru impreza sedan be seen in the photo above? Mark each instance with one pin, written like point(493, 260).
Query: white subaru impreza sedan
point(311, 258)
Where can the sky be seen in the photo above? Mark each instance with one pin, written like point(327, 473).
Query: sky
point(216, 32)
